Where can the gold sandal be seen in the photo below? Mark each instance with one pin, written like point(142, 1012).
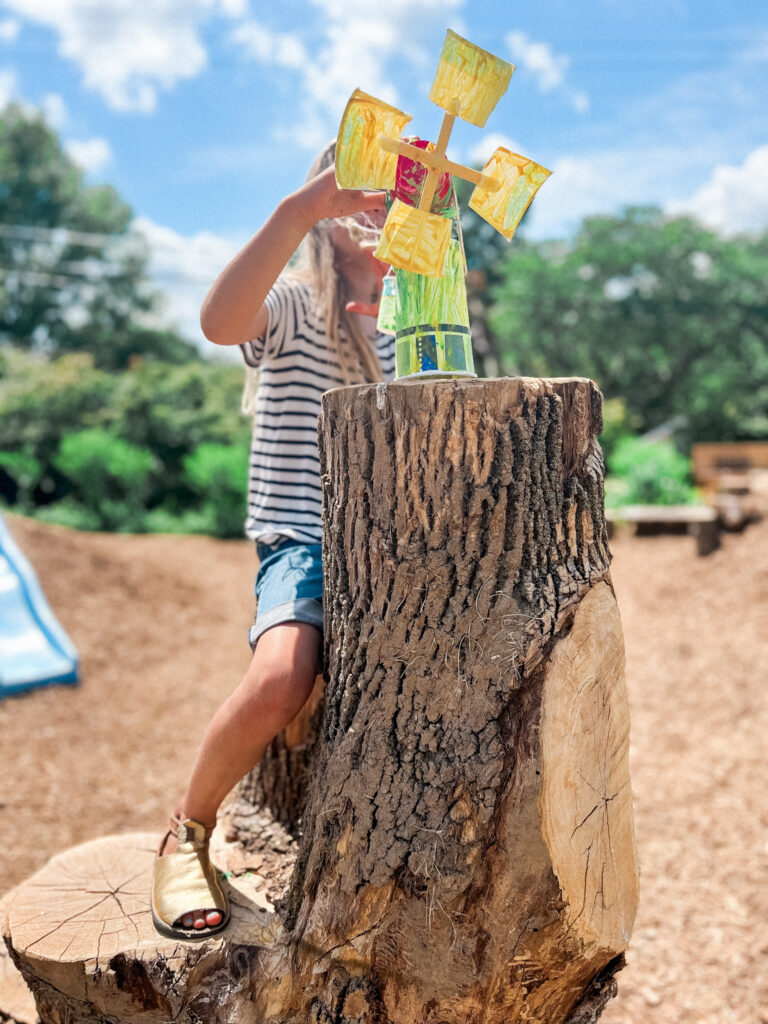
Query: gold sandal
point(185, 880)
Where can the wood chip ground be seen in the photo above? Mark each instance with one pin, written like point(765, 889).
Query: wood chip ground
point(161, 621)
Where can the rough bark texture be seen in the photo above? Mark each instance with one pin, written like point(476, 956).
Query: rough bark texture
point(465, 843)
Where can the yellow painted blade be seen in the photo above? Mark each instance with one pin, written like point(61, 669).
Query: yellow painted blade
point(469, 81)
point(415, 240)
point(360, 160)
point(520, 179)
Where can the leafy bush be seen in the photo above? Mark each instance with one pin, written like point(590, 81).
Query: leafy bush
point(20, 473)
point(68, 512)
point(219, 475)
point(648, 473)
point(110, 478)
point(163, 520)
point(95, 450)
point(617, 424)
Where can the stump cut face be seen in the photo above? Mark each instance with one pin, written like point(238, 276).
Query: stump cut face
point(586, 799)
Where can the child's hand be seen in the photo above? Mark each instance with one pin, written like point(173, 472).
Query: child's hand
point(323, 198)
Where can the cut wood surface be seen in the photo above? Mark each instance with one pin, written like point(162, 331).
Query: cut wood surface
point(83, 930)
point(449, 866)
point(586, 798)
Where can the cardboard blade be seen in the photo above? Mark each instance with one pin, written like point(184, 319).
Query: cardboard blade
point(520, 179)
point(415, 240)
point(470, 81)
point(360, 160)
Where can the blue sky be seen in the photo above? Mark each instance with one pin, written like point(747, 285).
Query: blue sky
point(204, 113)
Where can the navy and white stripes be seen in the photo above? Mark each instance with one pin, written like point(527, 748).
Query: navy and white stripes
point(295, 368)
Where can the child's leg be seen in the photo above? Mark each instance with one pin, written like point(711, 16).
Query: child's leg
point(277, 684)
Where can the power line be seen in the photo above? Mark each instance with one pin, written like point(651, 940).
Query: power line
point(68, 236)
point(83, 270)
point(64, 236)
point(53, 282)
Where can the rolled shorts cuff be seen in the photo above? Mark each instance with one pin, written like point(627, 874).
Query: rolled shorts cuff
point(303, 609)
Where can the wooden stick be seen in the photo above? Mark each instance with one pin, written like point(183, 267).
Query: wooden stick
point(432, 160)
point(442, 144)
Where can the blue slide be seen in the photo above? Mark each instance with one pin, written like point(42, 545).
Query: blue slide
point(34, 649)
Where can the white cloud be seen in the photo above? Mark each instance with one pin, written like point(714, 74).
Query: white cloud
point(548, 69)
point(184, 267)
point(234, 8)
point(603, 181)
point(600, 182)
point(481, 151)
point(7, 87)
point(54, 110)
point(126, 50)
point(92, 155)
point(580, 102)
point(282, 48)
point(9, 30)
point(702, 265)
point(357, 40)
point(734, 200)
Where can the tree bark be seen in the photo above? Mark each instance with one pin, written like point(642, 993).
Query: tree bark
point(450, 837)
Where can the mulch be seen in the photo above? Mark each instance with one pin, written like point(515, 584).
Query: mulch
point(161, 625)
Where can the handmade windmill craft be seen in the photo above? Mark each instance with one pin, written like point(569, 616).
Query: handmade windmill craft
point(424, 300)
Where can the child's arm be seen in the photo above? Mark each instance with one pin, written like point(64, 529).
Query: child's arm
point(233, 311)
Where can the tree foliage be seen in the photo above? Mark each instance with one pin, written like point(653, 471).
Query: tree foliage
point(72, 272)
point(644, 472)
point(155, 447)
point(660, 312)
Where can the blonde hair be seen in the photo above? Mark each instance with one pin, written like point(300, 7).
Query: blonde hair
point(359, 363)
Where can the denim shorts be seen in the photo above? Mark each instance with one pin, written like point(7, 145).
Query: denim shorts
point(289, 586)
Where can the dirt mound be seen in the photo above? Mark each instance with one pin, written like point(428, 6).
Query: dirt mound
point(160, 623)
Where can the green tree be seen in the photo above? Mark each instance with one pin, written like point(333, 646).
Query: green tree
point(660, 312)
point(72, 272)
point(111, 479)
point(154, 447)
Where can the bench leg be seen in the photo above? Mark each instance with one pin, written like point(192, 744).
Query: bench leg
point(707, 537)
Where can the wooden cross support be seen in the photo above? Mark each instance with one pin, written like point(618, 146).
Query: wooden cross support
point(440, 163)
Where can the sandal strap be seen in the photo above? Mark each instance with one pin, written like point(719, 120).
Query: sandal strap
point(189, 830)
point(185, 830)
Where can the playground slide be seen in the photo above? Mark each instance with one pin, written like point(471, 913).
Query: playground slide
point(34, 649)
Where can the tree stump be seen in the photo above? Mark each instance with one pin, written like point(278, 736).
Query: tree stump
point(460, 845)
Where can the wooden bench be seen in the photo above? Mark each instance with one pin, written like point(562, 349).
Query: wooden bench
point(713, 460)
point(701, 521)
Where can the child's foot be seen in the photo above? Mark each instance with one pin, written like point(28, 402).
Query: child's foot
point(183, 874)
point(197, 919)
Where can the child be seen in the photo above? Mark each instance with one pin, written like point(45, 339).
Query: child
point(307, 333)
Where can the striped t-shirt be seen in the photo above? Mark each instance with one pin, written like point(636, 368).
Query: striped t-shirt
point(295, 368)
